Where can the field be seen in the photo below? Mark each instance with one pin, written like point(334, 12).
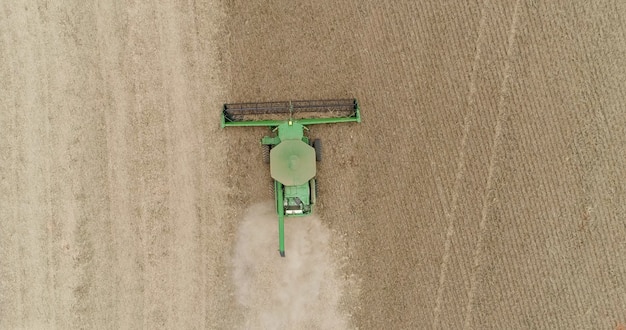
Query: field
point(484, 189)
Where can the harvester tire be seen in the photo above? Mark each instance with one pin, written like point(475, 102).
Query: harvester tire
point(317, 144)
point(266, 153)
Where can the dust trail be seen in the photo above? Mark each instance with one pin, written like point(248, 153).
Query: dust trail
point(301, 291)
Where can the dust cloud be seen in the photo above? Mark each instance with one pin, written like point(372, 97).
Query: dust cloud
point(300, 291)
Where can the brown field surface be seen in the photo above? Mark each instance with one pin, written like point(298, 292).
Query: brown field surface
point(484, 189)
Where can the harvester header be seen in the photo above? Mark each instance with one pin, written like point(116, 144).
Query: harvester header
point(304, 112)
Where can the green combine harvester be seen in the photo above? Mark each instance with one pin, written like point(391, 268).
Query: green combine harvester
point(292, 156)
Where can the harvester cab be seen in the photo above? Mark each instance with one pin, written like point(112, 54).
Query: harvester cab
point(291, 154)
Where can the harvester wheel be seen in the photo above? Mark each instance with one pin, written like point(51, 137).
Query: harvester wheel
point(317, 144)
point(266, 153)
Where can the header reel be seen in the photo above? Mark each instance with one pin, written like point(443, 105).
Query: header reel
point(304, 112)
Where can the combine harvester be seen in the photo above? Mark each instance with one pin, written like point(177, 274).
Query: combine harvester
point(290, 153)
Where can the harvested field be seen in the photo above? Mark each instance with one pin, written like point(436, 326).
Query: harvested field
point(484, 188)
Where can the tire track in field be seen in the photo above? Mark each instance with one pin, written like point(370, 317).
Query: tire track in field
point(451, 215)
point(446, 211)
point(478, 253)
